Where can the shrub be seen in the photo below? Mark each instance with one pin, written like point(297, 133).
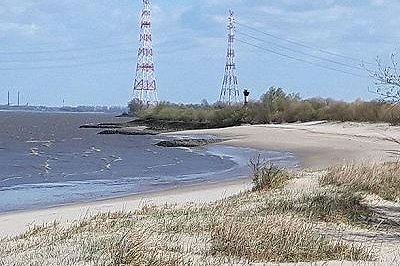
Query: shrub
point(266, 176)
point(275, 106)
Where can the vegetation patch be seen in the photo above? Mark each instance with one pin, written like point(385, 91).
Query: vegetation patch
point(235, 230)
point(278, 238)
point(380, 179)
point(332, 206)
point(335, 206)
point(266, 176)
point(274, 106)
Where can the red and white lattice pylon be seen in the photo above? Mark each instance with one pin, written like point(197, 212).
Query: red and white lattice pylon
point(145, 86)
point(229, 92)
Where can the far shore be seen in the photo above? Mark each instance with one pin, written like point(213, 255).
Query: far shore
point(317, 145)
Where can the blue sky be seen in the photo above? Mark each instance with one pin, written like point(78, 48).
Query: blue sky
point(83, 51)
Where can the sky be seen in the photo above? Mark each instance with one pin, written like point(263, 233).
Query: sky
point(83, 52)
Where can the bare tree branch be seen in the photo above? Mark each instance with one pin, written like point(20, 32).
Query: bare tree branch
point(386, 80)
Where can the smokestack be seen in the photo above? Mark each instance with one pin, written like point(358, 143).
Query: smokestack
point(8, 98)
point(18, 98)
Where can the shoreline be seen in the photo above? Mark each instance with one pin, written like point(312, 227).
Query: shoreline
point(315, 145)
point(135, 195)
point(15, 223)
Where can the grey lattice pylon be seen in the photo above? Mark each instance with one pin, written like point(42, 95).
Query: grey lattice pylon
point(145, 85)
point(229, 92)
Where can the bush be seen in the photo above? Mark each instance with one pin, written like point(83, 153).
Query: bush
point(266, 176)
point(275, 106)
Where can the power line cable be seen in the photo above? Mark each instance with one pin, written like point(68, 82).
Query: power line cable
point(300, 59)
point(303, 45)
point(301, 52)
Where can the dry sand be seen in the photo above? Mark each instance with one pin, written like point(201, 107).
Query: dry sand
point(317, 145)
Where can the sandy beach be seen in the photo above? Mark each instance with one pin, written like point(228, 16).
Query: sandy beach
point(316, 145)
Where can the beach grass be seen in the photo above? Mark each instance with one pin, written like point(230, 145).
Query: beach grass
point(382, 179)
point(246, 228)
point(278, 238)
point(267, 176)
point(332, 205)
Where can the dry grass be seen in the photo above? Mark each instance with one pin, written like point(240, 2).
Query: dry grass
point(265, 225)
point(266, 176)
point(330, 205)
point(278, 238)
point(234, 230)
point(380, 179)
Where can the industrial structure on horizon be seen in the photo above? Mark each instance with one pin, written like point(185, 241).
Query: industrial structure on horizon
point(145, 85)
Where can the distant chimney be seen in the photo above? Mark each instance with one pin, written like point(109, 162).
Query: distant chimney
point(8, 98)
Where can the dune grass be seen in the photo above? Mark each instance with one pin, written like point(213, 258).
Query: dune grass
point(278, 238)
point(266, 176)
point(267, 224)
point(234, 230)
point(380, 179)
point(333, 206)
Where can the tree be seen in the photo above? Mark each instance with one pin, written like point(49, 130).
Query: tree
point(135, 106)
point(386, 80)
point(204, 103)
point(276, 99)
